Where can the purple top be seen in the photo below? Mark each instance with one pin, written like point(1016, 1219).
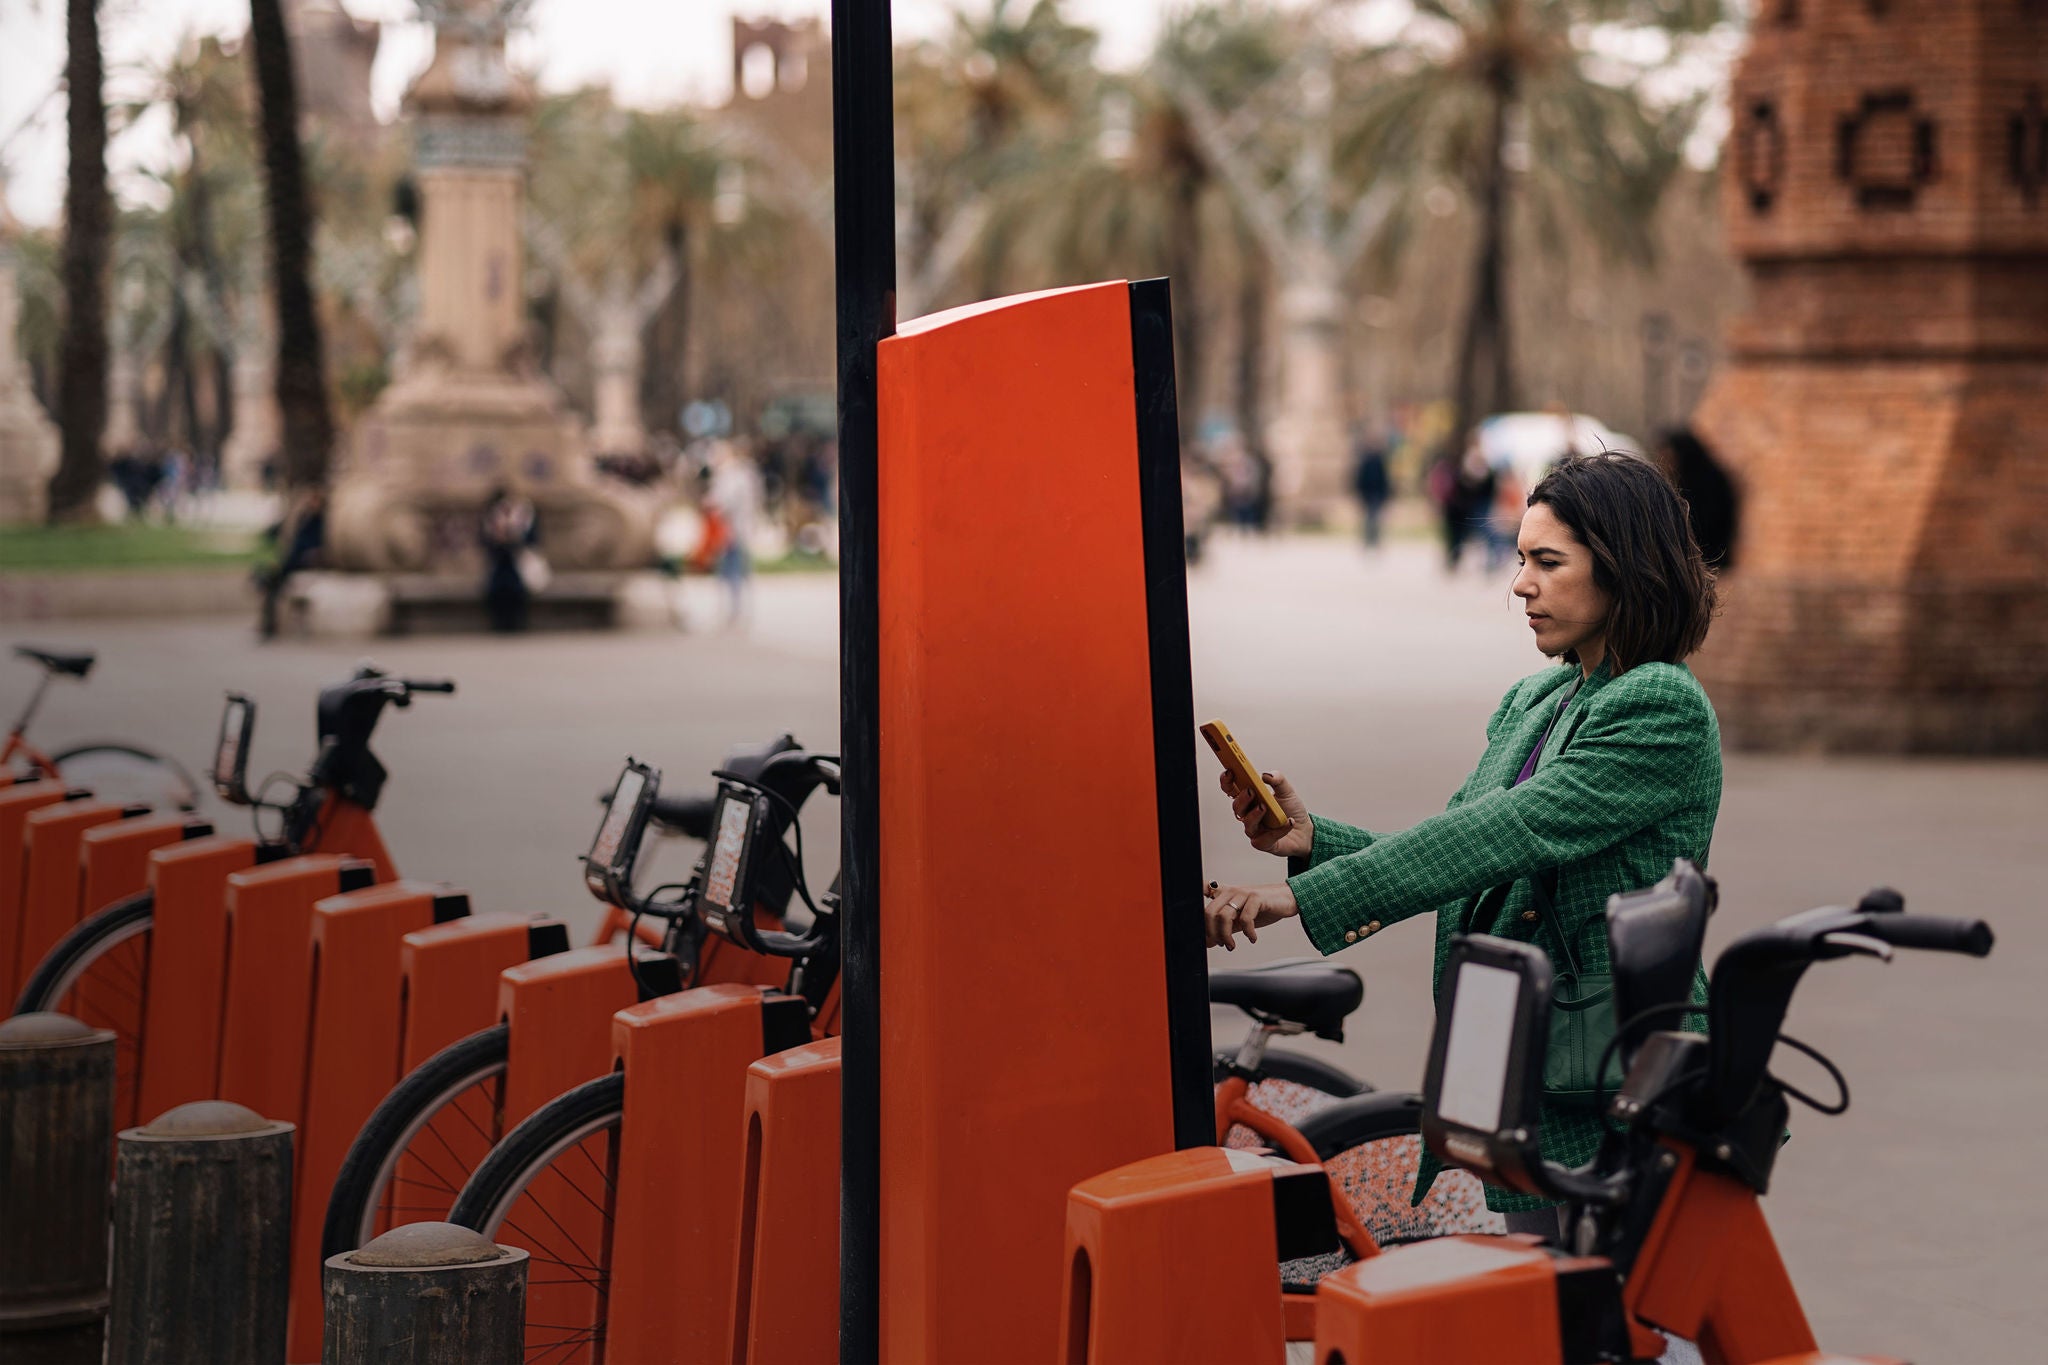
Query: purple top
point(1529, 767)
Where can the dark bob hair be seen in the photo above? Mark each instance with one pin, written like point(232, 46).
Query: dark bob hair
point(1623, 509)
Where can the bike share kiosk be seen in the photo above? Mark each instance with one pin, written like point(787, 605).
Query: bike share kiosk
point(1042, 984)
point(1025, 999)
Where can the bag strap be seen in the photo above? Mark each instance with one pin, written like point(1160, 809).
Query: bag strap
point(1542, 885)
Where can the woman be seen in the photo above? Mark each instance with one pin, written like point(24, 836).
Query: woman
point(1596, 774)
point(508, 529)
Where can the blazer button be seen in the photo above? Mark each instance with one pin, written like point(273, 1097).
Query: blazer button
point(1351, 936)
point(1529, 915)
point(1373, 928)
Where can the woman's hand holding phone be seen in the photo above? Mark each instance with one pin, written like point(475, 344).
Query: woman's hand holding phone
point(1292, 842)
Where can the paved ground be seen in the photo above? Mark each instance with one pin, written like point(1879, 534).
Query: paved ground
point(1910, 1224)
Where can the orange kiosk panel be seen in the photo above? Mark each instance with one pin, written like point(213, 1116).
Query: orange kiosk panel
point(789, 1228)
point(676, 1225)
point(50, 877)
point(17, 801)
point(114, 859)
point(449, 976)
point(266, 1005)
point(449, 987)
point(187, 959)
point(1455, 1298)
point(558, 1011)
point(1032, 606)
point(352, 1058)
point(1175, 1258)
point(114, 991)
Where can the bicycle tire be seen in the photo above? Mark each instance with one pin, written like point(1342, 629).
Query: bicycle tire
point(90, 939)
point(1371, 1145)
point(529, 1148)
point(184, 789)
point(1300, 1068)
point(367, 1172)
point(569, 1261)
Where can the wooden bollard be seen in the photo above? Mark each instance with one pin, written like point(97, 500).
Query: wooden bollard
point(202, 1224)
point(56, 1125)
point(426, 1294)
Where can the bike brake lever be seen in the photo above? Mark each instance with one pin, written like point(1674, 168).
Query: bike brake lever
point(1858, 943)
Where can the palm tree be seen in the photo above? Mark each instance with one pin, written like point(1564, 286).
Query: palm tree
point(1500, 99)
point(301, 371)
point(980, 116)
point(88, 232)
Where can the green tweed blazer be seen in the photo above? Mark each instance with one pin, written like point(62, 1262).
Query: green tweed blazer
point(1630, 778)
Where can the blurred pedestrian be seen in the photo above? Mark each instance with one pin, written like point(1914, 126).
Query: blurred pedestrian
point(1369, 480)
point(300, 536)
point(1465, 495)
point(735, 495)
point(509, 530)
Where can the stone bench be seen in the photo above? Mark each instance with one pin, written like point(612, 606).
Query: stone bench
point(346, 605)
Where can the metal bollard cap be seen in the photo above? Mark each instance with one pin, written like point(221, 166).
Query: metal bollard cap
point(423, 1245)
point(45, 1029)
point(205, 1118)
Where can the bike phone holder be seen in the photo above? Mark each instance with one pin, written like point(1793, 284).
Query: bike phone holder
point(608, 867)
point(230, 773)
point(1482, 1093)
point(739, 835)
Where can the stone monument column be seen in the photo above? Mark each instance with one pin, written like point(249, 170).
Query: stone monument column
point(1885, 411)
point(471, 411)
point(28, 438)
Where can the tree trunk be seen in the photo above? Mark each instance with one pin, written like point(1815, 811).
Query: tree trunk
point(1485, 379)
point(88, 234)
point(1252, 305)
point(666, 341)
point(308, 435)
point(1183, 267)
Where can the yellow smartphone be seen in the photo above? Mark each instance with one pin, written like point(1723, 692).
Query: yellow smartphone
point(1225, 746)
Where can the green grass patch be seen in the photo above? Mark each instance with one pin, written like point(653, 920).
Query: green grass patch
point(67, 549)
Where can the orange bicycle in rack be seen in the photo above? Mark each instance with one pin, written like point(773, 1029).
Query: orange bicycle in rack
point(554, 1184)
point(1663, 1230)
point(114, 770)
point(104, 965)
point(413, 1154)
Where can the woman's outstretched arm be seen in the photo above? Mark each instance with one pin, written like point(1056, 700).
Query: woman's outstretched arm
point(1628, 765)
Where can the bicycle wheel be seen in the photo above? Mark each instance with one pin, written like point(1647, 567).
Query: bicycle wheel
point(550, 1188)
point(129, 774)
point(1372, 1145)
point(1290, 1087)
point(99, 973)
point(418, 1147)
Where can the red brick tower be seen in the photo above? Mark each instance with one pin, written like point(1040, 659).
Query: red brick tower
point(1885, 409)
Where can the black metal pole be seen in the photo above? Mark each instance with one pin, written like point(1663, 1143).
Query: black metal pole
point(864, 202)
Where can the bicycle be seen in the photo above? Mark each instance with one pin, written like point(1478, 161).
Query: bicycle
point(562, 1160)
point(550, 1184)
point(1662, 1230)
point(106, 958)
point(114, 770)
point(407, 1162)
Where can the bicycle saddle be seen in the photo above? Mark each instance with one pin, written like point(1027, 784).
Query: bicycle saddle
point(77, 665)
point(1300, 990)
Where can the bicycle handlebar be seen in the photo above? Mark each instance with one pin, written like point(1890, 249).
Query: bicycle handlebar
point(1755, 977)
point(1932, 933)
